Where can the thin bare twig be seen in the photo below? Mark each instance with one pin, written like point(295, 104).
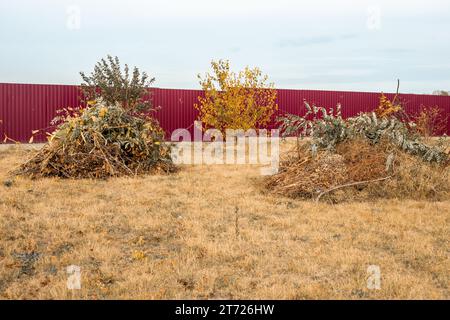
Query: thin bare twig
point(396, 94)
point(236, 222)
point(349, 185)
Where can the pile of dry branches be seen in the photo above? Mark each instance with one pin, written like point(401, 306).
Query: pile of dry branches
point(101, 141)
point(359, 170)
point(304, 175)
point(362, 157)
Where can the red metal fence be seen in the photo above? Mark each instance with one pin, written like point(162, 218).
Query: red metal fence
point(28, 107)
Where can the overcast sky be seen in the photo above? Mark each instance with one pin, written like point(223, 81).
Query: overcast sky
point(338, 45)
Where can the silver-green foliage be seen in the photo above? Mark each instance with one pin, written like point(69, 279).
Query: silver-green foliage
point(327, 128)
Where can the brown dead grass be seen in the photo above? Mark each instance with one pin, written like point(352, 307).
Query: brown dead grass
point(168, 237)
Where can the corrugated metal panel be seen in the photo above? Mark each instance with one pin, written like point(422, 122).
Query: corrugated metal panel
point(28, 107)
point(176, 108)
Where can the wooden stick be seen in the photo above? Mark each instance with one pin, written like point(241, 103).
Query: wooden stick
point(349, 185)
point(396, 94)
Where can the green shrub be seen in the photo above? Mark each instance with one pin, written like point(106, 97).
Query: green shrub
point(113, 85)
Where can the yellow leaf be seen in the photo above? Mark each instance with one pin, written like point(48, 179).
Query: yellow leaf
point(103, 111)
point(138, 255)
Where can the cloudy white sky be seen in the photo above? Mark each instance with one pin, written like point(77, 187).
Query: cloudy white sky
point(338, 45)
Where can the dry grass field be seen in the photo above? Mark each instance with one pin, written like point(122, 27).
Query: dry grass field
point(210, 232)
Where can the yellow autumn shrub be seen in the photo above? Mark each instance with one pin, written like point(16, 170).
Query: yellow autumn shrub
point(242, 100)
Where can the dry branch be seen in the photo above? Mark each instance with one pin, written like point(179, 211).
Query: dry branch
point(349, 185)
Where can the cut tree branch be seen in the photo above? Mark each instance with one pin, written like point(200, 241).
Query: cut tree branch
point(349, 185)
